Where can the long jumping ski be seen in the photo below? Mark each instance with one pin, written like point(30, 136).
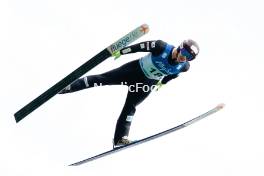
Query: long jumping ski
point(97, 59)
point(115, 150)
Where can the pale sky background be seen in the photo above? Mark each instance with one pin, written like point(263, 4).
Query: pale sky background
point(43, 41)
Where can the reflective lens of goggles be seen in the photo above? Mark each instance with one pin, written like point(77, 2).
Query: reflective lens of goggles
point(187, 54)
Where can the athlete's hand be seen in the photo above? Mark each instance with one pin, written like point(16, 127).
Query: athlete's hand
point(159, 85)
point(116, 54)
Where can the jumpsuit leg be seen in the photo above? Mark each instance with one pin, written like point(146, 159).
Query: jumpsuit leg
point(125, 119)
point(128, 74)
point(114, 77)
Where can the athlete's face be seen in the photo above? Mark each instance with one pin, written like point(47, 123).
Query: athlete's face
point(178, 56)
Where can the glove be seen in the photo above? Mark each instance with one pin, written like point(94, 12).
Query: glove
point(159, 85)
point(116, 54)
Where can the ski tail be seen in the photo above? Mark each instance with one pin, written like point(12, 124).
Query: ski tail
point(93, 62)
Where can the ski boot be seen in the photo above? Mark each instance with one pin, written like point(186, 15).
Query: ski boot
point(122, 142)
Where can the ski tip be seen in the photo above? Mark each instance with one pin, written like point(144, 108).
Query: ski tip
point(220, 106)
point(144, 28)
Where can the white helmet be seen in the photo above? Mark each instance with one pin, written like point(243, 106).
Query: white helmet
point(189, 48)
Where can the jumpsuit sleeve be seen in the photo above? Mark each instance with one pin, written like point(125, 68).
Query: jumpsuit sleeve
point(168, 78)
point(156, 47)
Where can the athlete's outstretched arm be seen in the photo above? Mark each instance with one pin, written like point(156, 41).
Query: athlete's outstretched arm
point(156, 47)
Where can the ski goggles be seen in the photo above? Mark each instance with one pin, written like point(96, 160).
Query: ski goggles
point(185, 53)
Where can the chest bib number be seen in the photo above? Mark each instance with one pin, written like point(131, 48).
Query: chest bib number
point(150, 70)
point(155, 73)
